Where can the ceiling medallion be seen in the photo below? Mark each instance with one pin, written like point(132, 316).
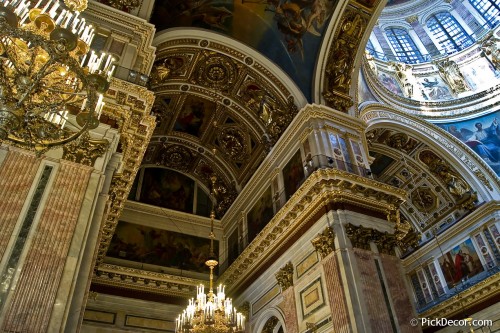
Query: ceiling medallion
point(175, 156)
point(216, 72)
point(233, 143)
point(424, 199)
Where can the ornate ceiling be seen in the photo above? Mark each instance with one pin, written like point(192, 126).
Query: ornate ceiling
point(219, 111)
point(437, 194)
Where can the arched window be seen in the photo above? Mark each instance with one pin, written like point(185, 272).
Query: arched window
point(449, 34)
point(404, 47)
point(489, 10)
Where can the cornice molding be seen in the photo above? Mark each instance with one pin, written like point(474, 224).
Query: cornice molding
point(323, 187)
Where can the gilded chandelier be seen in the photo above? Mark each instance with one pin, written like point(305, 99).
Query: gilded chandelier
point(51, 87)
point(210, 313)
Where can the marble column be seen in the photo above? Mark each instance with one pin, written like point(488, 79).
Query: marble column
point(422, 34)
point(17, 175)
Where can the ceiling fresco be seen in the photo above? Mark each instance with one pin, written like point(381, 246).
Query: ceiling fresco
point(288, 32)
point(218, 113)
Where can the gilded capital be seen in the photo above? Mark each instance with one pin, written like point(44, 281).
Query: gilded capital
point(85, 150)
point(412, 19)
point(285, 276)
point(324, 243)
point(361, 237)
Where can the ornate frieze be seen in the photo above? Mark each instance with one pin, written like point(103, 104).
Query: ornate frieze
point(285, 276)
point(324, 243)
point(136, 279)
point(323, 188)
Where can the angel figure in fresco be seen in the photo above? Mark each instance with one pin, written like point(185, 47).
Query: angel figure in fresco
point(295, 18)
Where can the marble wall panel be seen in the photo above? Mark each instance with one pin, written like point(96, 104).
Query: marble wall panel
point(398, 293)
point(17, 173)
point(379, 319)
point(336, 295)
point(33, 298)
point(290, 311)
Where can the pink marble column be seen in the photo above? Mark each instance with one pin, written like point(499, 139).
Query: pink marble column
point(336, 295)
point(290, 311)
point(33, 299)
point(379, 319)
point(17, 174)
point(399, 293)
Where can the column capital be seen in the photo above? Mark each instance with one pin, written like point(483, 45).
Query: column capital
point(324, 243)
point(285, 276)
point(412, 19)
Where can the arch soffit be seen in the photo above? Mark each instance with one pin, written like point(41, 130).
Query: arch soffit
point(177, 36)
point(266, 315)
point(472, 168)
point(340, 14)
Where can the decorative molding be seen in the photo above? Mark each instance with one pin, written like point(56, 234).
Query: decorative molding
point(147, 281)
point(377, 113)
point(323, 187)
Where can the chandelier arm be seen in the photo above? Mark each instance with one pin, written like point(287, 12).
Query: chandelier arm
point(39, 75)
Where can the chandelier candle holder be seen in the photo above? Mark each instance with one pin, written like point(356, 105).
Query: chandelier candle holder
point(48, 78)
point(212, 312)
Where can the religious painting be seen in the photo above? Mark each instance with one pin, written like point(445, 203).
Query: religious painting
point(390, 83)
point(482, 135)
point(261, 213)
point(159, 247)
point(288, 32)
point(293, 174)
point(461, 262)
point(232, 247)
point(167, 188)
point(433, 88)
point(194, 115)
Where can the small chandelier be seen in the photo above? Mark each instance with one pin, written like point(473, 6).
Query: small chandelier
point(51, 87)
point(210, 313)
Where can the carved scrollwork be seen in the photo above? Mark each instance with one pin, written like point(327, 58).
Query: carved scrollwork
point(85, 150)
point(406, 236)
point(339, 68)
point(285, 276)
point(324, 243)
